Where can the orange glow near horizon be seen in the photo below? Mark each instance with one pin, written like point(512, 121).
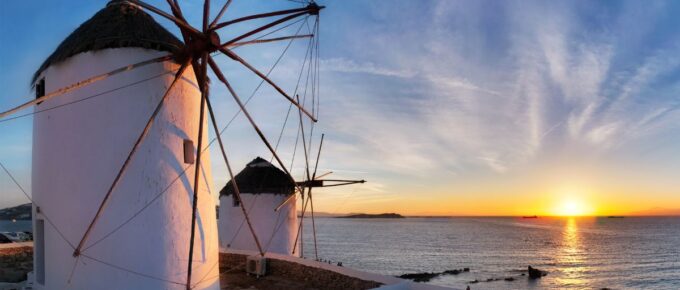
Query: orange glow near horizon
point(572, 207)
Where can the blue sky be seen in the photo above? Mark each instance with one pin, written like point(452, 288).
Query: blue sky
point(477, 105)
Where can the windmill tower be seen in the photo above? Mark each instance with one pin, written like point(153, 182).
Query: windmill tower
point(80, 148)
point(262, 187)
point(263, 197)
point(120, 145)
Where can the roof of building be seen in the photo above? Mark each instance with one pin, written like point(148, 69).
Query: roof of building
point(260, 177)
point(119, 24)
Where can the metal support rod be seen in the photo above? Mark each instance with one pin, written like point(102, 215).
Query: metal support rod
point(221, 77)
point(197, 171)
point(139, 140)
point(266, 79)
point(83, 83)
point(237, 192)
point(242, 43)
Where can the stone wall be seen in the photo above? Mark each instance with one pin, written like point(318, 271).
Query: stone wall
point(285, 275)
point(16, 260)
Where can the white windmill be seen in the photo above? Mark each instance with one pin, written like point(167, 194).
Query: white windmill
point(121, 183)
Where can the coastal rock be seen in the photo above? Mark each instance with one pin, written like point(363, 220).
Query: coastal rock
point(427, 276)
point(536, 273)
point(510, 279)
point(452, 272)
point(420, 277)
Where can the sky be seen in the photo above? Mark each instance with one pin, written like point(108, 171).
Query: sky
point(444, 107)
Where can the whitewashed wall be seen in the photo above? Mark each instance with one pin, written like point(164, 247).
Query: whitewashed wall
point(79, 148)
point(235, 234)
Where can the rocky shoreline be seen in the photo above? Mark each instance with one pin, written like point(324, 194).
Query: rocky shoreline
point(16, 260)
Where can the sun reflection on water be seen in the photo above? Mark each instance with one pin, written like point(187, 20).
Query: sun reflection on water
point(570, 255)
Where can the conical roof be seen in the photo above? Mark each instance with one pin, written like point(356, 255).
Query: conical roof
point(119, 24)
point(260, 176)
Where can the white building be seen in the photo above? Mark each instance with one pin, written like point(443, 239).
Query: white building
point(263, 187)
point(78, 149)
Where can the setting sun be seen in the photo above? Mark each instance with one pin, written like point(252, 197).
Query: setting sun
point(573, 207)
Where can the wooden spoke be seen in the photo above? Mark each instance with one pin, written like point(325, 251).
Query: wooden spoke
point(304, 142)
point(83, 83)
point(121, 171)
point(307, 10)
point(266, 79)
point(299, 231)
point(197, 172)
point(237, 192)
point(242, 43)
point(323, 175)
point(278, 207)
point(174, 7)
point(221, 77)
point(311, 199)
point(206, 15)
point(182, 24)
point(219, 15)
point(254, 31)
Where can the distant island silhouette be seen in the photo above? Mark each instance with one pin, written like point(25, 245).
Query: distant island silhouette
point(373, 216)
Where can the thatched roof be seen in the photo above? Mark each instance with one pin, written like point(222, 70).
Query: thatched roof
point(119, 24)
point(259, 177)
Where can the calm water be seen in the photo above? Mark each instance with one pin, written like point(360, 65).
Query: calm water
point(578, 253)
point(18, 226)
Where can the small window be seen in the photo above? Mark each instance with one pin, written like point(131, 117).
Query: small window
point(40, 89)
point(188, 151)
point(39, 250)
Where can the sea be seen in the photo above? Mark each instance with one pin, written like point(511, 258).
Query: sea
point(577, 253)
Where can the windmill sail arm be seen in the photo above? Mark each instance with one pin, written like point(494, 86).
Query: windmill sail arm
point(221, 77)
point(181, 24)
point(234, 56)
point(83, 83)
point(256, 41)
point(312, 9)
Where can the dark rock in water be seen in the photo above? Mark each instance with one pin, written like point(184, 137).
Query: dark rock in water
point(509, 279)
point(452, 272)
point(536, 273)
point(420, 277)
point(524, 274)
point(474, 281)
point(427, 276)
point(489, 280)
